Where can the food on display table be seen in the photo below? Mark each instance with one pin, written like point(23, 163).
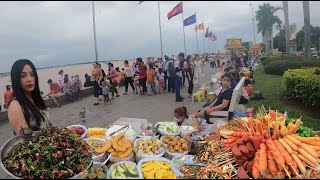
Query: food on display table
point(176, 144)
point(168, 128)
point(157, 170)
point(95, 172)
point(129, 132)
point(52, 153)
point(120, 147)
point(271, 149)
point(80, 130)
point(94, 144)
point(123, 171)
point(148, 146)
point(97, 132)
point(211, 171)
point(213, 153)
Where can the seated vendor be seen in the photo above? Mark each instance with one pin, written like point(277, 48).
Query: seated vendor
point(222, 102)
point(200, 127)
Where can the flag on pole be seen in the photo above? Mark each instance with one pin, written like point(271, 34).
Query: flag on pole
point(210, 34)
point(140, 2)
point(213, 37)
point(190, 20)
point(175, 11)
point(207, 33)
point(196, 27)
point(200, 27)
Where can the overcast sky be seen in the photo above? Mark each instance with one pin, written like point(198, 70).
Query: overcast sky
point(54, 33)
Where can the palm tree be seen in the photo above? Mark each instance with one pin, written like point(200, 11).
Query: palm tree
point(306, 14)
point(286, 22)
point(266, 19)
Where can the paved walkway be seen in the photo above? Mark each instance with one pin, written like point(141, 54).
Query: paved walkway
point(155, 108)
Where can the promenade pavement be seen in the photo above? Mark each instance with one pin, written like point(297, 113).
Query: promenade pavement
point(154, 108)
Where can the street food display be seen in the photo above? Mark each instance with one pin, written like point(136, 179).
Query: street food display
point(269, 146)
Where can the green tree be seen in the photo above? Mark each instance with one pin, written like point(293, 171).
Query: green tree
point(315, 35)
point(266, 19)
point(279, 41)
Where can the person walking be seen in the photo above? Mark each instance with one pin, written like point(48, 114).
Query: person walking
point(171, 75)
point(178, 76)
point(165, 71)
point(96, 77)
point(190, 74)
point(142, 75)
point(113, 75)
point(198, 70)
point(150, 80)
point(128, 77)
point(60, 80)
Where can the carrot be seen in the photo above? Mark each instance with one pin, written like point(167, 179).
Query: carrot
point(299, 163)
point(292, 129)
point(307, 155)
point(294, 168)
point(291, 144)
point(306, 140)
point(286, 146)
point(311, 151)
point(288, 159)
point(272, 167)
point(306, 161)
point(263, 162)
point(294, 140)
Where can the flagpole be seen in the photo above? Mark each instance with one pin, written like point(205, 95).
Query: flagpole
point(160, 31)
point(204, 44)
point(197, 39)
point(184, 35)
point(94, 31)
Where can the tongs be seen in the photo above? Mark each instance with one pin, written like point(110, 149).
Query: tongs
point(126, 126)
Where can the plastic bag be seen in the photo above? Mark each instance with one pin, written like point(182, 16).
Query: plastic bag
point(129, 158)
point(171, 155)
point(217, 124)
point(84, 135)
point(140, 155)
point(130, 130)
point(98, 157)
point(124, 162)
point(174, 169)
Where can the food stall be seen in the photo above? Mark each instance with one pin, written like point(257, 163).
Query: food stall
point(271, 145)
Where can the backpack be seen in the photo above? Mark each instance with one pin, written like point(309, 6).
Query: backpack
point(171, 69)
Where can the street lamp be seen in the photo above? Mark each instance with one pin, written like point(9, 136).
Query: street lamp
point(94, 31)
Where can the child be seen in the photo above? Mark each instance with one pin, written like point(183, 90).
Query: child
point(160, 78)
point(222, 67)
point(105, 92)
point(150, 80)
point(136, 82)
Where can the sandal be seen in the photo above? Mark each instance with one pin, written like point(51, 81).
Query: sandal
point(124, 94)
point(96, 104)
point(117, 95)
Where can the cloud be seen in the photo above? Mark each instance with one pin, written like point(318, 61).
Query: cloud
point(61, 32)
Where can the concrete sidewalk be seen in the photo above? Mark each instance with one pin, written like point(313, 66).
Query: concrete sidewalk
point(154, 108)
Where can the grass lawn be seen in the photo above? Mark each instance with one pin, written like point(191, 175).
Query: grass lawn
point(272, 92)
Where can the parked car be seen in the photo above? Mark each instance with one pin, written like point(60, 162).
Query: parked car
point(313, 52)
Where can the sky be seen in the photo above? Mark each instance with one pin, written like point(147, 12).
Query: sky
point(51, 33)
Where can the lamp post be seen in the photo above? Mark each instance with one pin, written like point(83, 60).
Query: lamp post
point(94, 31)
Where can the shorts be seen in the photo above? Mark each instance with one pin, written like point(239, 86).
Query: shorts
point(106, 97)
point(161, 83)
point(96, 89)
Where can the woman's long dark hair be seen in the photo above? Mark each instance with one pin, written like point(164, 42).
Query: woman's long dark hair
point(29, 109)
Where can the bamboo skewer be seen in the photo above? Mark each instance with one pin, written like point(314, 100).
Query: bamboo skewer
point(295, 171)
point(286, 172)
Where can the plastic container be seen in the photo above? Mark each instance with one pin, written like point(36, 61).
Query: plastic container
point(170, 155)
point(84, 135)
point(140, 155)
point(113, 129)
point(105, 136)
point(162, 132)
point(98, 157)
point(174, 170)
point(129, 158)
point(124, 162)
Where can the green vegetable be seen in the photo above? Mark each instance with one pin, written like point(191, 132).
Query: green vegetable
point(288, 121)
point(301, 135)
point(312, 133)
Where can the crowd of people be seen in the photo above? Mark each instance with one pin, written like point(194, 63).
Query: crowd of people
point(27, 110)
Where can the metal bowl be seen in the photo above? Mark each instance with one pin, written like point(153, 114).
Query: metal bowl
point(11, 144)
